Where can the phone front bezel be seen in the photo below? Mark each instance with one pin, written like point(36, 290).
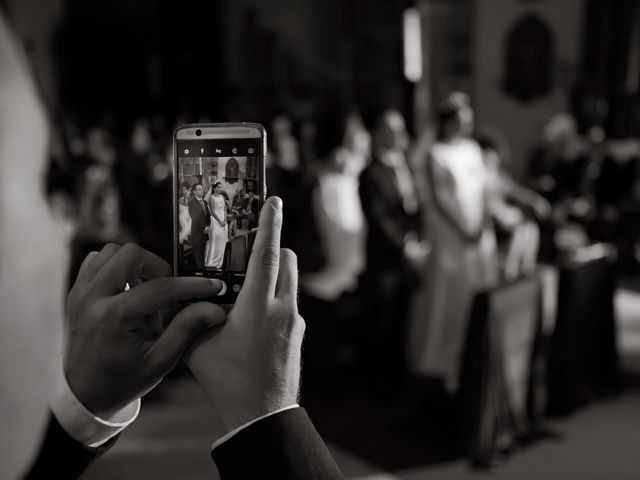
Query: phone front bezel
point(217, 131)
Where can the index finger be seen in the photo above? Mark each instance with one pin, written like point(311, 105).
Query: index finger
point(160, 293)
point(262, 272)
point(128, 264)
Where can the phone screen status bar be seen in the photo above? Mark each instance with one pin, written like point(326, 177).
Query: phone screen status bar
point(217, 149)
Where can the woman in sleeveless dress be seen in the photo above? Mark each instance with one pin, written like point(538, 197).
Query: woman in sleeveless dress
point(463, 260)
point(184, 218)
point(218, 235)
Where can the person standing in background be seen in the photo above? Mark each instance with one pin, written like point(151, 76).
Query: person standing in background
point(289, 180)
point(219, 232)
point(252, 210)
point(514, 210)
point(395, 251)
point(183, 216)
point(238, 203)
point(464, 258)
point(329, 296)
point(200, 222)
point(338, 212)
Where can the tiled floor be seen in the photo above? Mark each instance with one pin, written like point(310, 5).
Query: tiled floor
point(171, 438)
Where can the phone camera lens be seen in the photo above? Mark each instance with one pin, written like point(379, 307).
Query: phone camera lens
point(198, 132)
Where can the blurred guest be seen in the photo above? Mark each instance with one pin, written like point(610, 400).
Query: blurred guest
point(288, 180)
point(513, 209)
point(558, 164)
point(394, 248)
point(559, 170)
point(98, 219)
point(183, 215)
point(284, 143)
point(134, 179)
point(100, 149)
point(200, 221)
point(464, 258)
point(308, 153)
point(61, 187)
point(252, 210)
point(615, 170)
point(328, 296)
point(339, 215)
point(218, 232)
point(145, 173)
point(615, 177)
point(238, 205)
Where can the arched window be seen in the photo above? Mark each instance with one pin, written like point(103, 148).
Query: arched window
point(232, 170)
point(529, 59)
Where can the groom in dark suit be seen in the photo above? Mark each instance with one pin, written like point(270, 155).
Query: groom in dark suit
point(252, 210)
point(200, 220)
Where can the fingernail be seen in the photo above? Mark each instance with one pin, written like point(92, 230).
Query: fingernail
point(277, 203)
point(221, 286)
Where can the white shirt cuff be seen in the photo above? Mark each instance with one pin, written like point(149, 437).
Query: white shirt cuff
point(82, 425)
point(226, 437)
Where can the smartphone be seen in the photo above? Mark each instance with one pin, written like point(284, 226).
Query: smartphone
point(218, 192)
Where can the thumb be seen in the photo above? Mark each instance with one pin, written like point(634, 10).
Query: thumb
point(181, 332)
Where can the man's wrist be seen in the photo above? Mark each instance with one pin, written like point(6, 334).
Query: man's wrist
point(247, 424)
point(83, 425)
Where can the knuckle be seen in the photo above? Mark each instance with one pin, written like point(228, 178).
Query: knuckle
point(292, 318)
point(269, 256)
point(90, 314)
point(131, 248)
point(110, 247)
point(92, 254)
point(297, 326)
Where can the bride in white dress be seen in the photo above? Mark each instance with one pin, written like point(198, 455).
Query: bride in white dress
point(219, 233)
point(184, 218)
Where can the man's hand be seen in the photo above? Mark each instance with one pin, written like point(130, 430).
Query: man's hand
point(117, 348)
point(251, 366)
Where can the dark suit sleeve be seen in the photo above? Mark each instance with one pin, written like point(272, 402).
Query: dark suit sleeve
point(375, 202)
point(61, 457)
point(192, 209)
point(283, 446)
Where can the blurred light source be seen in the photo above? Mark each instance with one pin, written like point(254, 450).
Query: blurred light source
point(412, 37)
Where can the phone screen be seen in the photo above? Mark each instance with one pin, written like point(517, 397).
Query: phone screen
point(219, 194)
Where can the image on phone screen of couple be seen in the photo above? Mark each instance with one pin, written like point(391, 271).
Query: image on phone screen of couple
point(218, 209)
